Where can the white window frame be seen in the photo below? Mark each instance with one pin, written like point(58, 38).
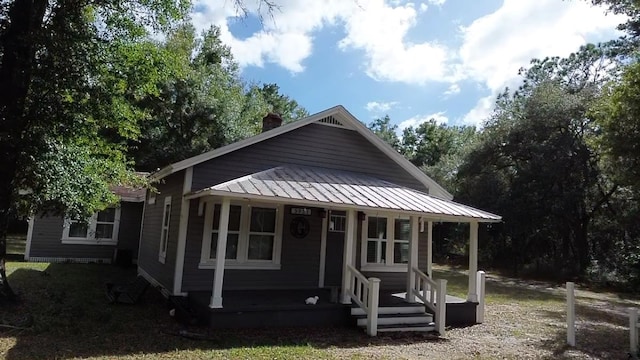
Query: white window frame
point(242, 262)
point(388, 265)
point(91, 239)
point(164, 229)
point(337, 223)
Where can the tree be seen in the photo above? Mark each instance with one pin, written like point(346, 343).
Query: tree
point(288, 108)
point(536, 163)
point(66, 84)
point(386, 131)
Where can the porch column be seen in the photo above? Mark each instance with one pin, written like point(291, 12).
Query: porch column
point(430, 249)
point(221, 253)
point(348, 255)
point(413, 260)
point(473, 261)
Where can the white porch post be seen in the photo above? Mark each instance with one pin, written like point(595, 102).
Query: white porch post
point(430, 249)
point(221, 253)
point(348, 254)
point(413, 260)
point(323, 249)
point(473, 261)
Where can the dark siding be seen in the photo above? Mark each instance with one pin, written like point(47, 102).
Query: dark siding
point(300, 260)
point(129, 231)
point(312, 145)
point(150, 243)
point(47, 236)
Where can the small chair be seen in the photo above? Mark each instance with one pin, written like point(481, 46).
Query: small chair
point(127, 293)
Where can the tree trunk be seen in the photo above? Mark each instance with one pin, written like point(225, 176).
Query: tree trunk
point(19, 43)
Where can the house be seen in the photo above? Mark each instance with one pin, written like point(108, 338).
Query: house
point(318, 207)
point(110, 235)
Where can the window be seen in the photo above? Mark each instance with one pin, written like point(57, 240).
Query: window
point(337, 223)
point(377, 240)
point(100, 229)
point(164, 232)
point(385, 244)
point(233, 234)
point(253, 237)
point(401, 237)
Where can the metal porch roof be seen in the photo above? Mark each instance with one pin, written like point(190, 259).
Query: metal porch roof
point(323, 187)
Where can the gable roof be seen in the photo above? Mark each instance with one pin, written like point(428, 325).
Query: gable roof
point(335, 116)
point(313, 186)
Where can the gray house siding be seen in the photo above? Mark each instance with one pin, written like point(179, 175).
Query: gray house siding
point(311, 145)
point(150, 243)
point(46, 241)
point(300, 260)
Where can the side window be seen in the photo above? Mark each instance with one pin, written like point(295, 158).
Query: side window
point(164, 232)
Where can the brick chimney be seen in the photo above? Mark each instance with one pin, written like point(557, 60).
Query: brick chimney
point(271, 121)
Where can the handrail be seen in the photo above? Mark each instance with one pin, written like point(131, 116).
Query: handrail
point(365, 293)
point(437, 296)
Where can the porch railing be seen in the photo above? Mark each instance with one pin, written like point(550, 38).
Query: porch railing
point(434, 296)
point(366, 294)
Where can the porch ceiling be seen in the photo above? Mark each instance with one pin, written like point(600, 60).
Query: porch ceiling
point(340, 189)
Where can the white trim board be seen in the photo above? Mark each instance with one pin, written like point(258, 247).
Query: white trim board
point(155, 283)
point(27, 249)
point(182, 232)
point(340, 114)
point(70, 260)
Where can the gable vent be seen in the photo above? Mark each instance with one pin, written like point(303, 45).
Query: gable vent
point(330, 120)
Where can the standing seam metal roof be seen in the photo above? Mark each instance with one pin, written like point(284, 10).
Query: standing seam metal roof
point(341, 188)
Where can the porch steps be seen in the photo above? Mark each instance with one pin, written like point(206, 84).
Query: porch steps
point(397, 318)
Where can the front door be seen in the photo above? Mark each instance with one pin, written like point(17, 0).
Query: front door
point(335, 248)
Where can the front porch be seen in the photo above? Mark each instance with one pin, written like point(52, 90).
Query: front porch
point(287, 308)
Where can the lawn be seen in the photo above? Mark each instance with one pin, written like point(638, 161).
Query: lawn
point(71, 319)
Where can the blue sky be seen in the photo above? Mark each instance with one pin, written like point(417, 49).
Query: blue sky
point(442, 59)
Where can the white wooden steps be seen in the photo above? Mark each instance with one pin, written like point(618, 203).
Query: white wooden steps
point(397, 318)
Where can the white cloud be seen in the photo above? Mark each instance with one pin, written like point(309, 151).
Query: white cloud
point(415, 121)
point(388, 56)
point(379, 107)
point(453, 89)
point(495, 46)
point(492, 49)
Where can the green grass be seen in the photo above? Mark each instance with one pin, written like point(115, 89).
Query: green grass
point(71, 319)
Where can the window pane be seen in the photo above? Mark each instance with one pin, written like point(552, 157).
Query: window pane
point(234, 217)
point(104, 231)
point(216, 217)
point(377, 228)
point(107, 215)
point(167, 214)
point(402, 229)
point(371, 251)
point(401, 252)
point(163, 244)
point(260, 247)
point(383, 252)
point(232, 246)
point(78, 230)
point(263, 220)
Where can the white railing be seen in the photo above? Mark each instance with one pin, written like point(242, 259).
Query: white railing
point(366, 294)
point(633, 333)
point(434, 296)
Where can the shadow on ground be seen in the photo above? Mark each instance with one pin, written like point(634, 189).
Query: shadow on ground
point(72, 318)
